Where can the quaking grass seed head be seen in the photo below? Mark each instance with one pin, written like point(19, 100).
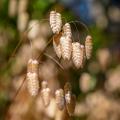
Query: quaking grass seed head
point(32, 83)
point(55, 21)
point(46, 96)
point(60, 101)
point(82, 55)
point(66, 47)
point(71, 105)
point(88, 46)
point(76, 54)
point(67, 30)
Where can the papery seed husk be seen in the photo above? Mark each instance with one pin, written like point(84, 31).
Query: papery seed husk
point(45, 95)
point(67, 30)
point(60, 101)
point(57, 49)
point(71, 106)
point(33, 66)
point(66, 47)
point(76, 54)
point(32, 83)
point(56, 44)
point(88, 46)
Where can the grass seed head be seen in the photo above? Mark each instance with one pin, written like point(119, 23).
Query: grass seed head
point(76, 54)
point(67, 30)
point(46, 95)
point(66, 47)
point(88, 46)
point(32, 83)
point(60, 101)
point(71, 105)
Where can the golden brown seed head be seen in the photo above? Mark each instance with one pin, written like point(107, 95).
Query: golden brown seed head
point(88, 46)
point(71, 105)
point(32, 83)
point(55, 21)
point(76, 54)
point(66, 47)
point(82, 55)
point(67, 30)
point(45, 95)
point(59, 96)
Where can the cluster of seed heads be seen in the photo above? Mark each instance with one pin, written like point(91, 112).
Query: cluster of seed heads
point(65, 99)
point(64, 45)
point(67, 49)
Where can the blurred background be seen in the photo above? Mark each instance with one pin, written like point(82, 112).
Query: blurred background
point(96, 86)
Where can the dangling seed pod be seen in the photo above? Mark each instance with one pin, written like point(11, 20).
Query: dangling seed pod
point(66, 47)
point(69, 98)
point(53, 21)
point(32, 83)
point(76, 54)
point(82, 55)
point(33, 66)
point(67, 30)
point(88, 46)
point(45, 94)
point(60, 101)
point(58, 22)
point(68, 92)
point(71, 106)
